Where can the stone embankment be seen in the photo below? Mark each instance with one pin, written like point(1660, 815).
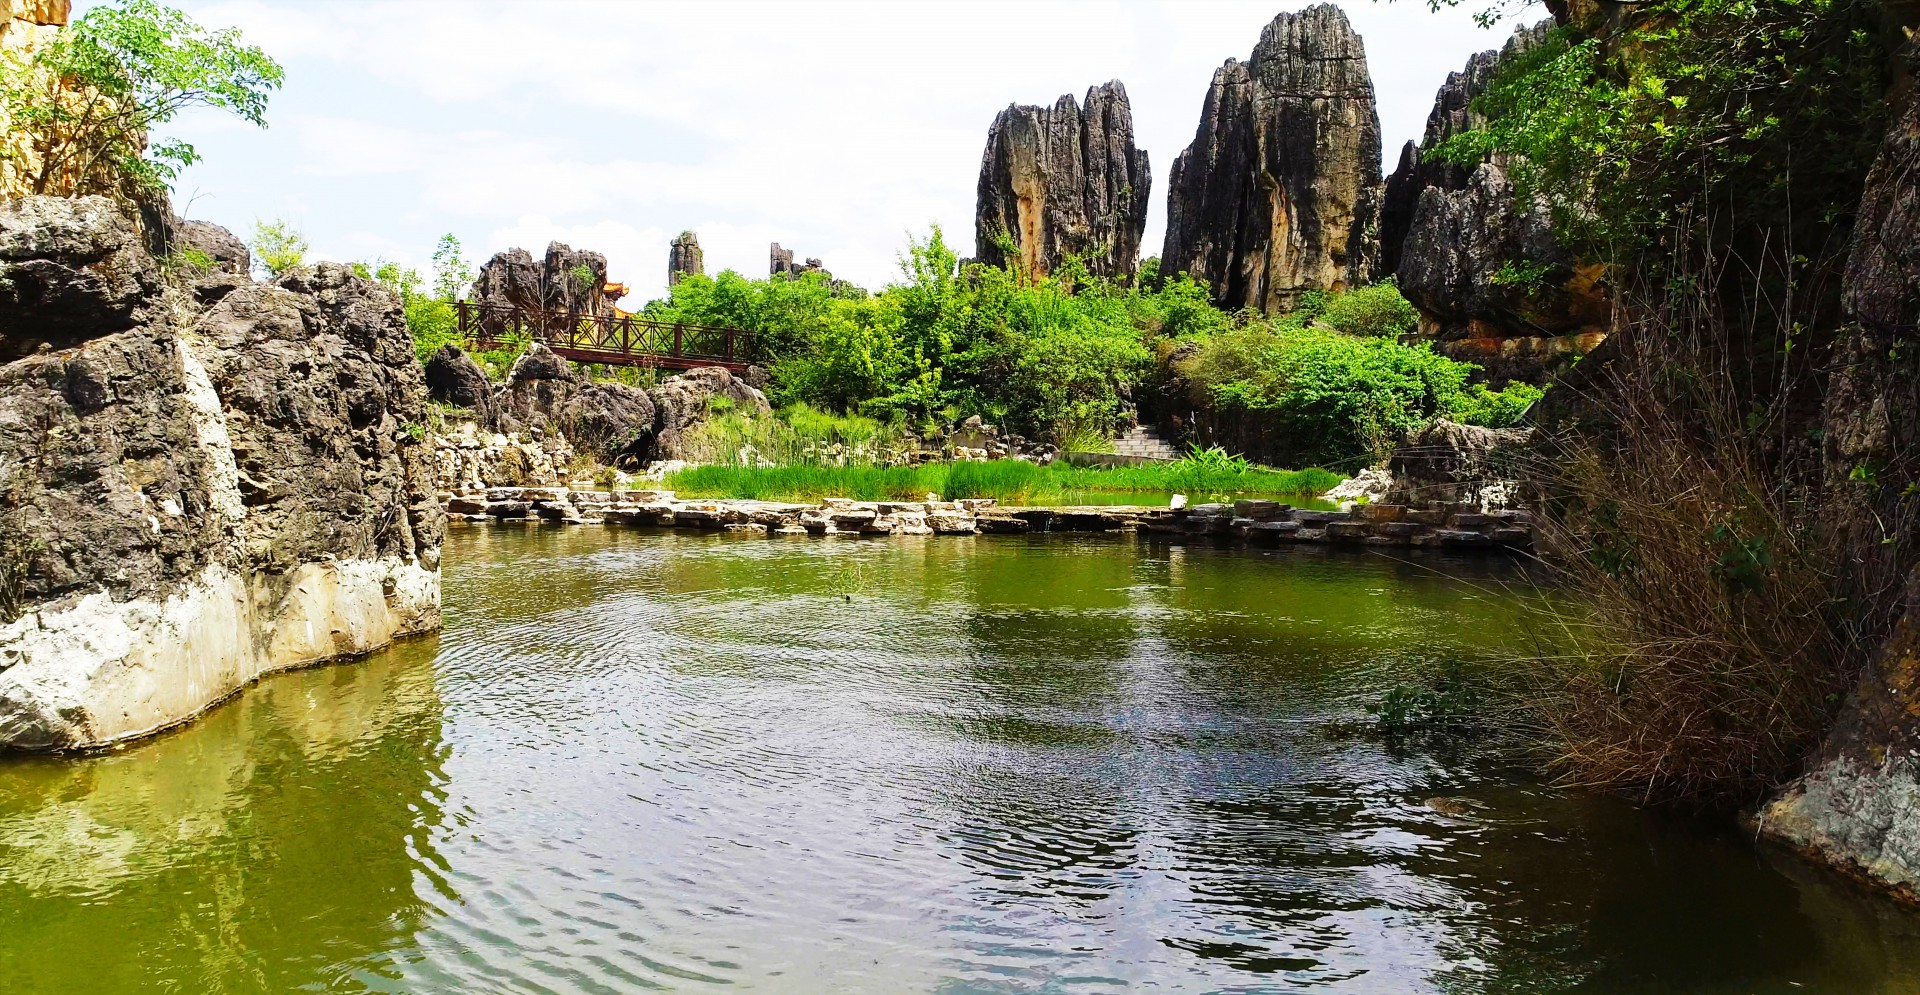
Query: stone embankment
point(1258, 522)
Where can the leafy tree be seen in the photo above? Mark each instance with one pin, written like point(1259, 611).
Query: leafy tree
point(91, 97)
point(277, 246)
point(451, 274)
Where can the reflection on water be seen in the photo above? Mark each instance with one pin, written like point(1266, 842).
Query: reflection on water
point(1055, 764)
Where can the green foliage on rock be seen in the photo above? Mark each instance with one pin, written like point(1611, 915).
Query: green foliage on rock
point(1343, 395)
point(277, 246)
point(92, 96)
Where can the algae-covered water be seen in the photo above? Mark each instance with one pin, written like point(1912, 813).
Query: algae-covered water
point(654, 761)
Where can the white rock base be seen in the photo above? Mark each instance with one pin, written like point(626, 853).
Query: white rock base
point(94, 672)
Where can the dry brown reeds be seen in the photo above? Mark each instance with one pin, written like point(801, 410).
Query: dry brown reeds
point(1701, 598)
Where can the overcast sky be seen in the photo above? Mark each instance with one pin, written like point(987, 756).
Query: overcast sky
point(833, 128)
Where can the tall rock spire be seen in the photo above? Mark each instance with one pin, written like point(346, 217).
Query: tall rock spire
point(1280, 191)
point(1064, 180)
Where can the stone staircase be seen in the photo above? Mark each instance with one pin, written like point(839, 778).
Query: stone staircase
point(1145, 443)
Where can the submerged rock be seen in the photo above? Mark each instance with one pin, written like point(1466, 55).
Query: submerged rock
point(204, 496)
point(1064, 180)
point(1280, 191)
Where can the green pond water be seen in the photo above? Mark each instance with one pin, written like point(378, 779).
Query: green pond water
point(643, 761)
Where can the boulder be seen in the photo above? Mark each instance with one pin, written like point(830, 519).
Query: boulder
point(71, 269)
point(1447, 452)
point(574, 281)
point(509, 279)
point(230, 491)
point(683, 401)
point(540, 363)
point(454, 378)
point(1280, 191)
point(1064, 180)
point(224, 249)
point(566, 279)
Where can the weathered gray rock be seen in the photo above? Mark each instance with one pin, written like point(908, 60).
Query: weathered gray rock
point(682, 402)
point(454, 378)
point(509, 279)
point(1493, 285)
point(205, 496)
point(1858, 807)
point(566, 279)
point(225, 249)
point(1280, 191)
point(684, 258)
point(71, 269)
point(1064, 180)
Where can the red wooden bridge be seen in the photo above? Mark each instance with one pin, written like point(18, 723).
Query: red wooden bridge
point(617, 339)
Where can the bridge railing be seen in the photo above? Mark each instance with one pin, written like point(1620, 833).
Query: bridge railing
point(605, 338)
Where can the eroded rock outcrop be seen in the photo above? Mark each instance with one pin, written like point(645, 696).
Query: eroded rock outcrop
point(1858, 807)
point(1280, 191)
point(566, 279)
point(684, 257)
point(70, 270)
point(453, 377)
point(615, 423)
point(1064, 180)
point(195, 496)
point(1492, 283)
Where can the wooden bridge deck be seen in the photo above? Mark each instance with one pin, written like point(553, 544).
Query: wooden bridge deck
point(616, 340)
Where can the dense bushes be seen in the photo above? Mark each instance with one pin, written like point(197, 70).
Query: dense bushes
point(1061, 358)
point(1338, 395)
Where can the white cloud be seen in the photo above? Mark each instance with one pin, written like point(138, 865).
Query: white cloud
point(833, 128)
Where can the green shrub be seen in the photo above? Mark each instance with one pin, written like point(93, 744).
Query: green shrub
point(1339, 395)
point(1376, 310)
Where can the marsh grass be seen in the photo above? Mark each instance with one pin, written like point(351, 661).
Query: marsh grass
point(1012, 482)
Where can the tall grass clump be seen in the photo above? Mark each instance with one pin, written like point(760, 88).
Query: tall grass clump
point(1706, 608)
point(1014, 482)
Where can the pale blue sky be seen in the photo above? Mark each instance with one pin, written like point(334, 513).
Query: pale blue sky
point(833, 128)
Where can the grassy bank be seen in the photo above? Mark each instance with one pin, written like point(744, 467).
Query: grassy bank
point(1006, 481)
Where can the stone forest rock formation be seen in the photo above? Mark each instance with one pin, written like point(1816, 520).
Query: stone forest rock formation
point(565, 280)
point(192, 496)
point(780, 263)
point(1858, 808)
point(1492, 283)
point(1064, 180)
point(684, 258)
point(1280, 191)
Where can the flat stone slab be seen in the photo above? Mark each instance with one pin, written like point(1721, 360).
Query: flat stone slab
point(1450, 527)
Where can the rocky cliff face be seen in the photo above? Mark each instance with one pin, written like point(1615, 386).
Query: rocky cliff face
point(1280, 191)
point(25, 26)
point(194, 495)
point(684, 258)
point(1492, 284)
point(1859, 806)
point(1064, 180)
